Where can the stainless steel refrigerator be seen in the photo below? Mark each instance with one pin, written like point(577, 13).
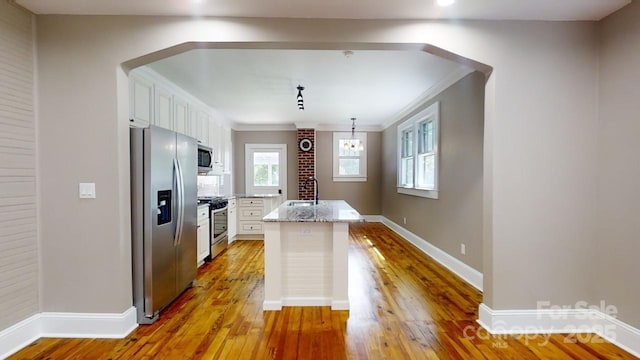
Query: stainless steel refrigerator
point(164, 169)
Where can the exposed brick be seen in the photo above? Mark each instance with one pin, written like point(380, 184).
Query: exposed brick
point(306, 164)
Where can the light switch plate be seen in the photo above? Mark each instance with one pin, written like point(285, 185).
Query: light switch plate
point(87, 190)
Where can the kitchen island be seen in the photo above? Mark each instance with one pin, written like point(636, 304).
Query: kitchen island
point(306, 254)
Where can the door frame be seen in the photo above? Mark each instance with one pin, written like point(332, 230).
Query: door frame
point(249, 149)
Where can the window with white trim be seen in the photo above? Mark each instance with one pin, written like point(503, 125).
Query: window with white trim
point(418, 153)
point(349, 156)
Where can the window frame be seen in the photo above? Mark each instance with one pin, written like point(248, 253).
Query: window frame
point(362, 176)
point(431, 113)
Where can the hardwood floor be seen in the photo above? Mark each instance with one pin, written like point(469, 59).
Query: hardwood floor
point(403, 306)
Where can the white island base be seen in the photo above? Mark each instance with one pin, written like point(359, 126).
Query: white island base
point(306, 264)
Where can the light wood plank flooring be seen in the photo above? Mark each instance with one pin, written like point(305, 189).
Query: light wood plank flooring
point(403, 306)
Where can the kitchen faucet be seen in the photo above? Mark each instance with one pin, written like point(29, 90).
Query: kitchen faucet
point(311, 178)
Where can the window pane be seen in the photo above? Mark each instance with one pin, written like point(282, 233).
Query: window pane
point(275, 175)
point(349, 167)
point(266, 169)
point(406, 175)
point(407, 143)
point(426, 171)
point(425, 141)
point(260, 175)
point(349, 147)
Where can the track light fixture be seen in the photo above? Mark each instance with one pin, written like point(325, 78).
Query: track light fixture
point(300, 99)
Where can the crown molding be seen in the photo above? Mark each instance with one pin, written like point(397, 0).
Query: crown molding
point(263, 127)
point(293, 127)
point(451, 78)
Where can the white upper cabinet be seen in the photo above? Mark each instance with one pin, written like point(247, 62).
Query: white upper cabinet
point(164, 108)
point(216, 140)
point(155, 100)
point(181, 115)
point(192, 124)
point(140, 101)
point(226, 149)
point(203, 120)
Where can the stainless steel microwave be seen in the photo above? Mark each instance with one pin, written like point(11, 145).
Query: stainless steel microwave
point(205, 159)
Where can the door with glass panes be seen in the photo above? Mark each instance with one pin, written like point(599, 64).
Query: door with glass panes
point(266, 169)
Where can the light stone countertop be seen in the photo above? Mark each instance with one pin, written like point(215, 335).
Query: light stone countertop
point(325, 211)
point(257, 196)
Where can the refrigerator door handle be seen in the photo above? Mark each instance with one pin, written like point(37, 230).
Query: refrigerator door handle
point(181, 201)
point(177, 174)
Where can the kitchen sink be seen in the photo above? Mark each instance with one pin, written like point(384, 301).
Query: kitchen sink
point(301, 203)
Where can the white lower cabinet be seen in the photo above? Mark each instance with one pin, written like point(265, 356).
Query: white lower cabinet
point(232, 229)
point(203, 233)
point(251, 211)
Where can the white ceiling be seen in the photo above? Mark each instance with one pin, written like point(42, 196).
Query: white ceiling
point(339, 9)
point(258, 87)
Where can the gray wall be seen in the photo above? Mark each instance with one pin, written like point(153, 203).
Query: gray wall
point(362, 196)
point(541, 127)
point(618, 231)
point(19, 278)
point(456, 217)
point(241, 138)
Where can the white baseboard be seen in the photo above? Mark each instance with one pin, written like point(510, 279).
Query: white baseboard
point(66, 325)
point(72, 325)
point(306, 301)
point(466, 272)
point(373, 218)
point(271, 305)
point(18, 336)
point(340, 305)
point(552, 321)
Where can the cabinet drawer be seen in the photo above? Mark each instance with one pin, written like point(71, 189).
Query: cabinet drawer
point(252, 202)
point(251, 213)
point(251, 227)
point(232, 203)
point(203, 212)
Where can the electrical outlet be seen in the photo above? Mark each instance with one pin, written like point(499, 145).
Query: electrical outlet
point(463, 249)
point(404, 220)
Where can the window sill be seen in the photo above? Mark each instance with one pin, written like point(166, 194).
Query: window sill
point(431, 194)
point(349, 179)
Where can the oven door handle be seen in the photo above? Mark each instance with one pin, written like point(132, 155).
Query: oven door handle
point(220, 210)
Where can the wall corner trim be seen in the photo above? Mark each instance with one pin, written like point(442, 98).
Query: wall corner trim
point(561, 321)
point(66, 325)
point(466, 272)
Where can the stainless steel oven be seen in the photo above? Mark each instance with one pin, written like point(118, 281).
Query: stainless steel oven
point(219, 219)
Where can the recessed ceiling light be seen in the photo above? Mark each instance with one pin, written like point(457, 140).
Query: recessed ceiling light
point(446, 2)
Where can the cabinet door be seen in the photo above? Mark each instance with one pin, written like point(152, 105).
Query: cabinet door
point(202, 121)
point(226, 149)
point(216, 140)
point(181, 115)
point(192, 123)
point(163, 109)
point(203, 240)
point(140, 101)
point(232, 228)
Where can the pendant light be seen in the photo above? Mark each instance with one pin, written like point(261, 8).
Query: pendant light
point(353, 144)
point(299, 98)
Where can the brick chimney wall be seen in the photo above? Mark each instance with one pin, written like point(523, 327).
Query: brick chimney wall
point(306, 165)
